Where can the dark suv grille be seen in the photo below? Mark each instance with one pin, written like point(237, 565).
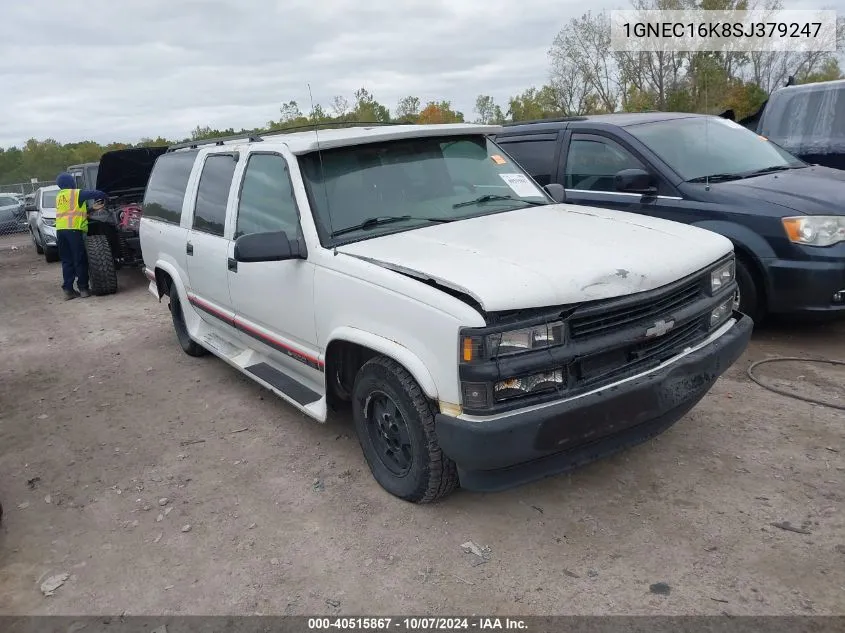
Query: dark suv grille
point(627, 315)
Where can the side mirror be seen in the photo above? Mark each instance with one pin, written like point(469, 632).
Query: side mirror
point(635, 181)
point(267, 247)
point(556, 191)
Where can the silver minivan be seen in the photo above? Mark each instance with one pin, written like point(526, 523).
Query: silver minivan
point(42, 223)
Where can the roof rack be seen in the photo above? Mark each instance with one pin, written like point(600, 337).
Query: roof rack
point(562, 119)
point(257, 137)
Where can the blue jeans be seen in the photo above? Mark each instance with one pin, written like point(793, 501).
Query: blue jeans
point(74, 258)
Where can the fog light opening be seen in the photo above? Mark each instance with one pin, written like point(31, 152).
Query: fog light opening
point(839, 296)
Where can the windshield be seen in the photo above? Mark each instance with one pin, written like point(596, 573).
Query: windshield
point(91, 176)
point(364, 191)
point(48, 199)
point(698, 147)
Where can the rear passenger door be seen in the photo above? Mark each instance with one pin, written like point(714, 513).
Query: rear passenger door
point(538, 154)
point(274, 301)
point(207, 246)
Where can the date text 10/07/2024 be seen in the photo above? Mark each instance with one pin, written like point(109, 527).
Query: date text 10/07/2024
point(417, 624)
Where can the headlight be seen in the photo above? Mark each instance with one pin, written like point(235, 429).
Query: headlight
point(722, 276)
point(513, 342)
point(536, 383)
point(721, 312)
point(49, 221)
point(815, 230)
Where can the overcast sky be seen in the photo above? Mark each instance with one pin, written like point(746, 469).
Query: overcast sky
point(139, 68)
point(120, 70)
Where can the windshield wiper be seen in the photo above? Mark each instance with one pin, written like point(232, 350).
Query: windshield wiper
point(717, 178)
point(490, 197)
point(770, 170)
point(371, 223)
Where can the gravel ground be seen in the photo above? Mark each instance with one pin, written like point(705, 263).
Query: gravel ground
point(162, 484)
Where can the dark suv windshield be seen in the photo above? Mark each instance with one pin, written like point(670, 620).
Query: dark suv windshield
point(698, 147)
point(367, 190)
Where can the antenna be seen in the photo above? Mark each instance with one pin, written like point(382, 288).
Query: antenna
point(320, 156)
point(706, 132)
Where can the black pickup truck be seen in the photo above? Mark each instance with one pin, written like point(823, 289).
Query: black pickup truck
point(785, 217)
point(112, 242)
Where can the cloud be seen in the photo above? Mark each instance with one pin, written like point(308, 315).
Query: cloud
point(105, 70)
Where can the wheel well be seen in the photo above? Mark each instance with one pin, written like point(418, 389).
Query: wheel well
point(343, 360)
point(756, 270)
point(163, 282)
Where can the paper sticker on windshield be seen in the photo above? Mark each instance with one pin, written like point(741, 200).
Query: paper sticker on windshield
point(498, 159)
point(520, 185)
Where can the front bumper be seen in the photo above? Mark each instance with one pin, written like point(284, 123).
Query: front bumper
point(49, 235)
point(806, 288)
point(531, 444)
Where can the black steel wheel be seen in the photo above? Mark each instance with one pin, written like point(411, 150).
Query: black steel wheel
point(394, 421)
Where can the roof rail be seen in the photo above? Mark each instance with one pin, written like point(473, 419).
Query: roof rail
point(256, 137)
point(562, 119)
point(219, 140)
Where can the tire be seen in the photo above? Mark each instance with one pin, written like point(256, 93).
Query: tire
point(750, 294)
point(419, 471)
point(38, 248)
point(188, 345)
point(101, 271)
point(51, 255)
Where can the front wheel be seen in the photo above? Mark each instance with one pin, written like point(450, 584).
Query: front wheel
point(188, 345)
point(394, 422)
point(750, 295)
point(38, 248)
point(101, 271)
point(51, 254)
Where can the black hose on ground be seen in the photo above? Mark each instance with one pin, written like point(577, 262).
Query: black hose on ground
point(789, 394)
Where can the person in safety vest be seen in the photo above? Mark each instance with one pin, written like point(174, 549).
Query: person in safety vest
point(71, 228)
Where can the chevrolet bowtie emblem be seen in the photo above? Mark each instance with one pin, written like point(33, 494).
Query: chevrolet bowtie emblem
point(660, 328)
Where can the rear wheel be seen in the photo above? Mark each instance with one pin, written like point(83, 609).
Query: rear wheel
point(188, 345)
point(101, 271)
point(394, 421)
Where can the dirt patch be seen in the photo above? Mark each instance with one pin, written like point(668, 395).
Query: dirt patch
point(112, 441)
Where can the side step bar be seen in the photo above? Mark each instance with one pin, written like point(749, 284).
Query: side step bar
point(284, 383)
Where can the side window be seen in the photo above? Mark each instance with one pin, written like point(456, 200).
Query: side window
point(592, 164)
point(165, 191)
point(267, 203)
point(537, 157)
point(213, 193)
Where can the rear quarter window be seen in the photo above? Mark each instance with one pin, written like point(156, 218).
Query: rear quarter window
point(537, 157)
point(165, 192)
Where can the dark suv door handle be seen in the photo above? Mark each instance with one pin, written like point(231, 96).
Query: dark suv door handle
point(189, 249)
point(233, 265)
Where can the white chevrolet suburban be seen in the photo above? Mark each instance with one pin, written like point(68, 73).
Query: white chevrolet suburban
point(485, 333)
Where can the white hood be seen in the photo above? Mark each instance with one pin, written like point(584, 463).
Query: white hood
point(549, 255)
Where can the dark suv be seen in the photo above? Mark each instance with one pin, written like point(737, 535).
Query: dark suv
point(785, 218)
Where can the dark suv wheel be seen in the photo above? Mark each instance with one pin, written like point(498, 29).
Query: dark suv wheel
point(394, 421)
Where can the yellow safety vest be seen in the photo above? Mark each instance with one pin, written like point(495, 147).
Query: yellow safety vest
point(69, 213)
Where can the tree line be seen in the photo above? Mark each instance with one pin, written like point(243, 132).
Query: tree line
point(585, 77)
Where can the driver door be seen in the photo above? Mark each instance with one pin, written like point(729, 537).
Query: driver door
point(274, 301)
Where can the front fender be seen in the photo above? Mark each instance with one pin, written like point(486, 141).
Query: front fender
point(392, 349)
point(753, 243)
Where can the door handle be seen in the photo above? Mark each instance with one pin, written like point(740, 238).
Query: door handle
point(189, 249)
point(233, 265)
